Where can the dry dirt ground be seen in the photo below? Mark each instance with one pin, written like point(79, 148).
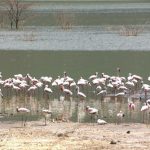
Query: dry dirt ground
point(73, 136)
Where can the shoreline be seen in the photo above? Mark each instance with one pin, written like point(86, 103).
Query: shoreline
point(62, 136)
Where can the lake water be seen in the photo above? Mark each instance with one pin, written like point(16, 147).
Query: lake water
point(43, 48)
point(73, 110)
point(77, 64)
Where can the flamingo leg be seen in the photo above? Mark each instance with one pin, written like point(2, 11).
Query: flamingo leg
point(91, 118)
point(22, 120)
point(25, 121)
point(143, 116)
point(45, 121)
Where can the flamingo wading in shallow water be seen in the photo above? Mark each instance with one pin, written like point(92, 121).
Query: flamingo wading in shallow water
point(47, 114)
point(23, 112)
point(81, 95)
point(120, 116)
point(92, 111)
point(144, 110)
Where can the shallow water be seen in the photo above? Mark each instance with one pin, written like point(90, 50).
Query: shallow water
point(73, 110)
point(77, 64)
point(94, 28)
point(78, 38)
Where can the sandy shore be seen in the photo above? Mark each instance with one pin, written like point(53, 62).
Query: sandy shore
point(73, 136)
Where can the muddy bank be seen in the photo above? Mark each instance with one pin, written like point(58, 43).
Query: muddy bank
point(70, 136)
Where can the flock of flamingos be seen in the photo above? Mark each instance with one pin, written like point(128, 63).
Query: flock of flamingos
point(65, 87)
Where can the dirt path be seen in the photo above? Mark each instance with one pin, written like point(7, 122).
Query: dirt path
point(73, 136)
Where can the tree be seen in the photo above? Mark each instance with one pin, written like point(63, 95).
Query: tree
point(65, 20)
point(15, 10)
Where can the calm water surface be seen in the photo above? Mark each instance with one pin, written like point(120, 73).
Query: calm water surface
point(77, 64)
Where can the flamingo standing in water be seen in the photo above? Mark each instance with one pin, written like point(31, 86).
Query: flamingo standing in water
point(92, 111)
point(24, 112)
point(81, 95)
point(47, 114)
point(120, 116)
point(66, 92)
point(1, 93)
point(131, 107)
point(47, 90)
point(144, 109)
point(94, 76)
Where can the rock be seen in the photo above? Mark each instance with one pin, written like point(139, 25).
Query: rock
point(113, 142)
point(60, 134)
point(128, 132)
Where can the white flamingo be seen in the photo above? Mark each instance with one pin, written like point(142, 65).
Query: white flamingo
point(47, 114)
point(23, 111)
point(67, 92)
point(101, 122)
point(81, 95)
point(92, 111)
point(47, 89)
point(120, 116)
point(18, 76)
point(32, 89)
point(1, 93)
point(131, 107)
point(144, 109)
point(94, 76)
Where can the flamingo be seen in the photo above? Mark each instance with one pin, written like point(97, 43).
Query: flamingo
point(148, 102)
point(92, 111)
point(57, 81)
point(118, 71)
point(23, 111)
point(32, 89)
point(0, 75)
point(120, 116)
point(16, 88)
point(47, 90)
point(82, 82)
point(46, 79)
point(105, 76)
point(101, 122)
point(66, 91)
point(18, 76)
point(131, 107)
point(144, 109)
point(1, 93)
point(120, 94)
point(81, 95)
point(102, 92)
point(46, 113)
point(93, 76)
point(28, 78)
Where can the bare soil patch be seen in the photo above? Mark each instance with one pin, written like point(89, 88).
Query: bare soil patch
point(73, 136)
